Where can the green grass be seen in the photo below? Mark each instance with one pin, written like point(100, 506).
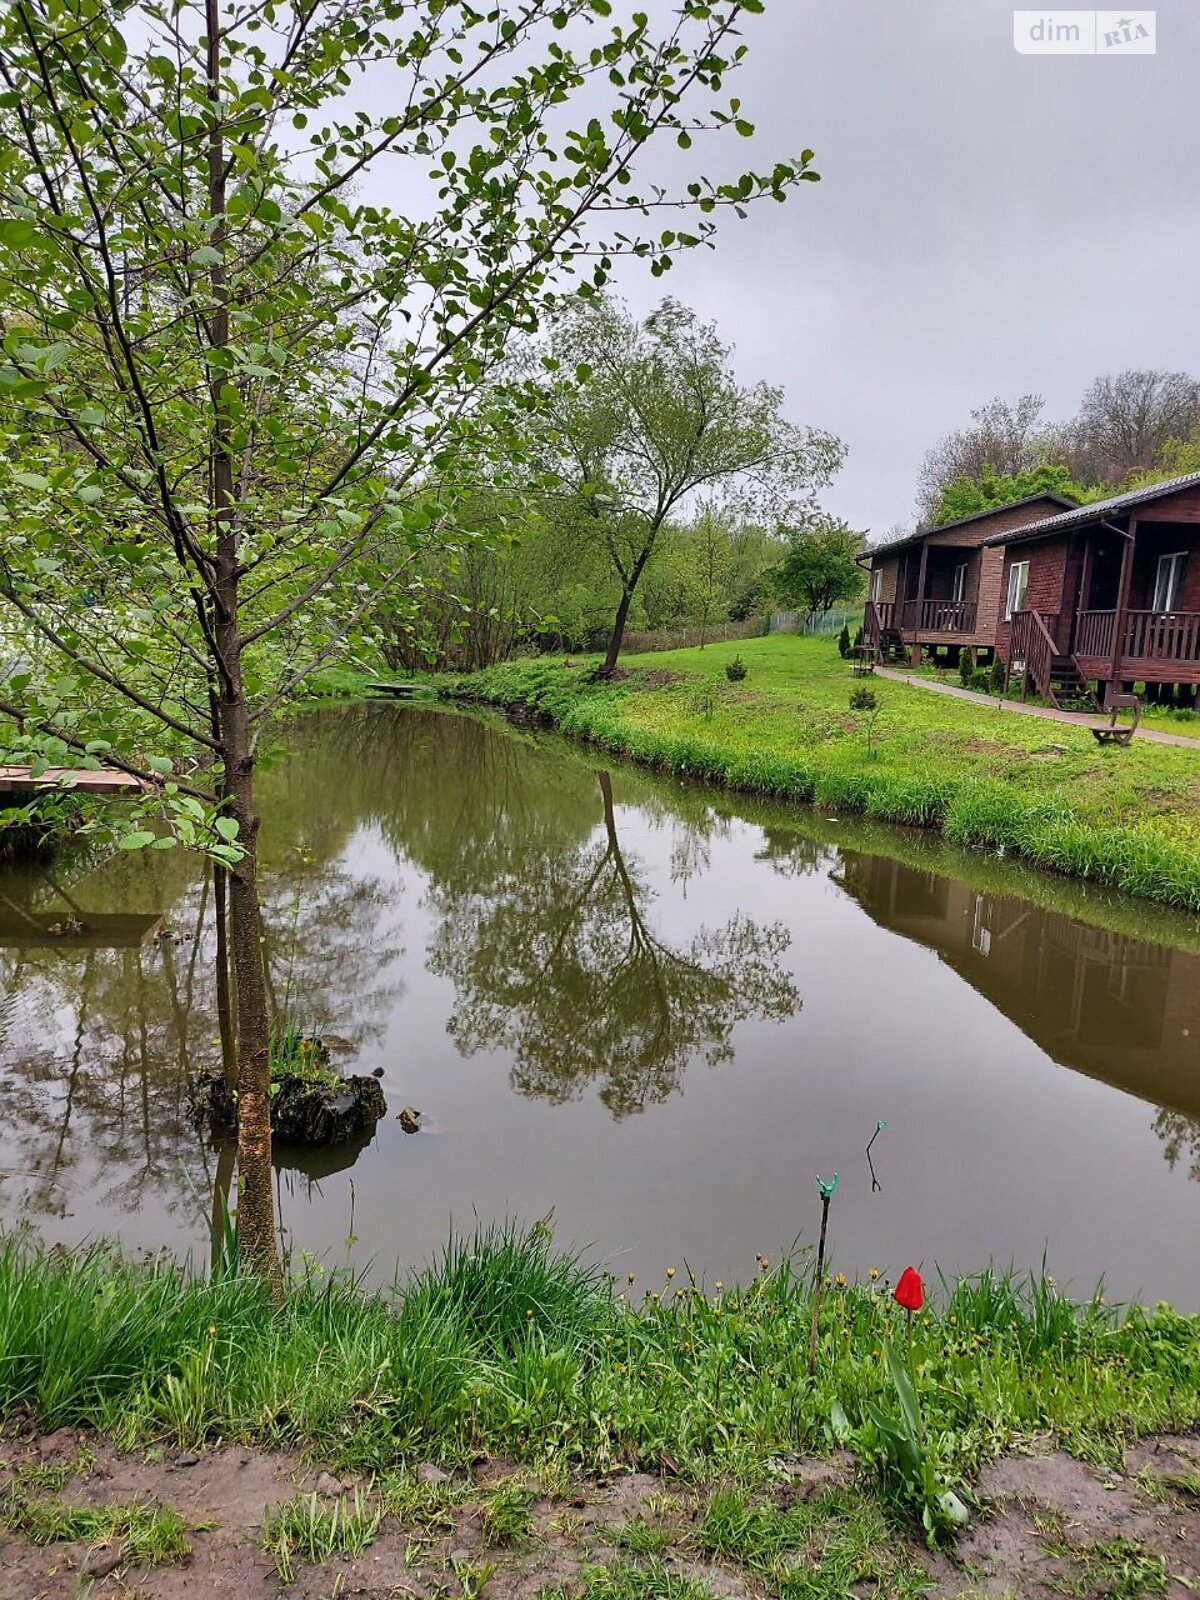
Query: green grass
point(148, 1534)
point(628, 1581)
point(453, 1364)
point(506, 1511)
point(817, 1550)
point(1014, 786)
point(307, 1528)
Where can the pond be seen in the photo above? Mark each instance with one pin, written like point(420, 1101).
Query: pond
point(650, 1011)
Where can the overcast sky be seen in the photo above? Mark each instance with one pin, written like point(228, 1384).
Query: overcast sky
point(987, 223)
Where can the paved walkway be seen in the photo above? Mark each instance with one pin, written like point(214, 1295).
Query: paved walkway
point(1082, 719)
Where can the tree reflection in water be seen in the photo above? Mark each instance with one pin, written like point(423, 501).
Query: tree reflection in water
point(558, 964)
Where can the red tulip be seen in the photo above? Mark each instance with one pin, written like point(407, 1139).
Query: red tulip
point(910, 1291)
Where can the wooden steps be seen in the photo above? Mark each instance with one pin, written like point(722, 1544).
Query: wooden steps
point(1067, 683)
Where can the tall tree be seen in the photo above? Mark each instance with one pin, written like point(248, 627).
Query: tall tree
point(645, 414)
point(231, 373)
point(821, 566)
point(1004, 438)
point(1126, 421)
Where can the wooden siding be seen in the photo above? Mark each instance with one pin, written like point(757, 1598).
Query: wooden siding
point(1047, 568)
point(991, 595)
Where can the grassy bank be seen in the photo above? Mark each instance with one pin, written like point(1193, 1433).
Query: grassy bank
point(1043, 791)
point(507, 1346)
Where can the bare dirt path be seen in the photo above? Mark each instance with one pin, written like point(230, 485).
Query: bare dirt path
point(1044, 1526)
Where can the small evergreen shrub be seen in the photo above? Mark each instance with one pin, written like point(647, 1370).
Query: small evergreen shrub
point(981, 680)
point(845, 648)
point(735, 670)
point(966, 668)
point(996, 676)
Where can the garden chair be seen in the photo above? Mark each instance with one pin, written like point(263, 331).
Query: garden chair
point(1112, 732)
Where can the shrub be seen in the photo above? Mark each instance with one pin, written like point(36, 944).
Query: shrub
point(966, 668)
point(845, 648)
point(981, 680)
point(858, 637)
point(996, 676)
point(735, 670)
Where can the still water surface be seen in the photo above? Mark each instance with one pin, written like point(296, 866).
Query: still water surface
point(650, 1010)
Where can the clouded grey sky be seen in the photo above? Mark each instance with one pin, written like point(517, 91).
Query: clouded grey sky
point(987, 223)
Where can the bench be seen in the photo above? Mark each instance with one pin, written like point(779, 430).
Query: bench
point(1111, 732)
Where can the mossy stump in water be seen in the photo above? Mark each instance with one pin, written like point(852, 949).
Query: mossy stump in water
point(304, 1111)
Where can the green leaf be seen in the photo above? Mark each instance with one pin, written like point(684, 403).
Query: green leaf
point(905, 1392)
point(137, 841)
point(31, 480)
point(16, 231)
point(205, 256)
point(227, 828)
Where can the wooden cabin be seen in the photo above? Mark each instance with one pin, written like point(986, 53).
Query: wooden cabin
point(940, 589)
point(1105, 599)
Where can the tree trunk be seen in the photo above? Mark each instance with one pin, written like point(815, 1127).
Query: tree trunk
point(225, 1026)
point(257, 1245)
point(617, 636)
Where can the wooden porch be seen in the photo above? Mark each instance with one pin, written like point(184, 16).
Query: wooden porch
point(888, 626)
point(1155, 646)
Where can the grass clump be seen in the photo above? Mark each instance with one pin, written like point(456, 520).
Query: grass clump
point(1117, 1569)
point(640, 1538)
point(505, 1512)
point(817, 1550)
point(649, 1580)
point(1126, 819)
point(148, 1534)
point(314, 1531)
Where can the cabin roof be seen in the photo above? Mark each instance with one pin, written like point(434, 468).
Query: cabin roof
point(1098, 509)
point(886, 546)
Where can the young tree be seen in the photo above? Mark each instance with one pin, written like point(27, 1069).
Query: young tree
point(645, 414)
point(709, 562)
point(821, 567)
point(231, 374)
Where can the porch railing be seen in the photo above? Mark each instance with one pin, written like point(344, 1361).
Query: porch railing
point(939, 616)
point(1172, 636)
point(1094, 634)
point(1162, 636)
point(878, 618)
point(1032, 649)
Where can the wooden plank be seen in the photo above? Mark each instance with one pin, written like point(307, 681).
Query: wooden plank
point(400, 691)
point(85, 782)
point(73, 930)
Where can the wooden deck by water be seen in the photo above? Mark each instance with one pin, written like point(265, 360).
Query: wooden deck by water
point(105, 782)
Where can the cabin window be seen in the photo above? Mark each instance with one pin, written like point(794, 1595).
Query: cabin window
point(1168, 581)
point(959, 586)
point(1018, 585)
point(876, 583)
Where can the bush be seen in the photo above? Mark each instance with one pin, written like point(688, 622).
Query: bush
point(981, 680)
point(996, 676)
point(845, 648)
point(858, 637)
point(966, 668)
point(735, 670)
